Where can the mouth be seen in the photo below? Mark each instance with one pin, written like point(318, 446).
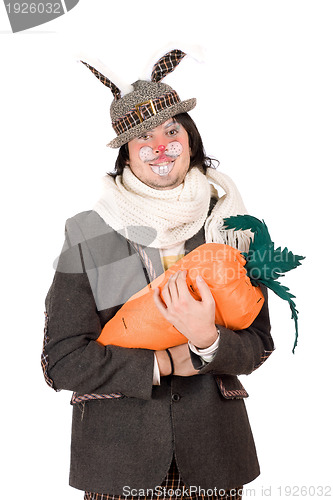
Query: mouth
point(163, 168)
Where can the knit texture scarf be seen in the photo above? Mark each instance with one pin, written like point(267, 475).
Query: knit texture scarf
point(163, 218)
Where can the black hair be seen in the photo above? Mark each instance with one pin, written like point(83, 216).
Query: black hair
point(198, 155)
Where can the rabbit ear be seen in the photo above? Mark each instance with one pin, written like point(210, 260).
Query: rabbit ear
point(114, 89)
point(166, 64)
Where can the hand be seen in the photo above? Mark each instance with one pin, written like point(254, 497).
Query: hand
point(181, 358)
point(193, 318)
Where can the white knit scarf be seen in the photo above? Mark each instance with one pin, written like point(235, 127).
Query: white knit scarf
point(163, 218)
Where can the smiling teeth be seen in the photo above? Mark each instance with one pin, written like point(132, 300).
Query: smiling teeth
point(162, 168)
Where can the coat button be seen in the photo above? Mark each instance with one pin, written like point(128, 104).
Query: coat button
point(176, 397)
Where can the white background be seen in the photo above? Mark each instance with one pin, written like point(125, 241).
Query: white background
point(265, 110)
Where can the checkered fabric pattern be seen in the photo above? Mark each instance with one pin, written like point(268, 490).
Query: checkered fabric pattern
point(144, 111)
point(263, 358)
point(146, 261)
point(166, 64)
point(44, 356)
point(171, 488)
point(231, 394)
point(77, 398)
point(114, 89)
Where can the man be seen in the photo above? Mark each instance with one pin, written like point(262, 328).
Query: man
point(144, 420)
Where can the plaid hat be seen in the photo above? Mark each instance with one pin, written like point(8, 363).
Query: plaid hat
point(150, 103)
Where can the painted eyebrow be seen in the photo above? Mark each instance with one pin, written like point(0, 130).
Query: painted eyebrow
point(171, 124)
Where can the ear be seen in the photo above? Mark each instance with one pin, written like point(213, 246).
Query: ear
point(166, 64)
point(114, 89)
point(107, 76)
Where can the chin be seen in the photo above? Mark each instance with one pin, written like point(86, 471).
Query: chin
point(165, 183)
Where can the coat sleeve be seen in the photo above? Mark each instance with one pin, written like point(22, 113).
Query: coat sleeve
point(72, 359)
point(241, 351)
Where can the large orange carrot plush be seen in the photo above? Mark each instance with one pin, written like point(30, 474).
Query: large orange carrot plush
point(232, 277)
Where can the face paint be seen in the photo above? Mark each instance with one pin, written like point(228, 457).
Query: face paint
point(146, 153)
point(162, 163)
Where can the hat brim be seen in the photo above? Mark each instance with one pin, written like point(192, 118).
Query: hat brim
point(154, 121)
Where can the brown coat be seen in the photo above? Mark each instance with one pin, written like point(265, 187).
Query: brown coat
point(125, 430)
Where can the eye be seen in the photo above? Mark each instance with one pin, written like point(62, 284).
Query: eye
point(172, 132)
point(144, 137)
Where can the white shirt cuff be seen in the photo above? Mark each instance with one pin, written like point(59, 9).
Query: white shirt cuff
point(156, 372)
point(208, 353)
